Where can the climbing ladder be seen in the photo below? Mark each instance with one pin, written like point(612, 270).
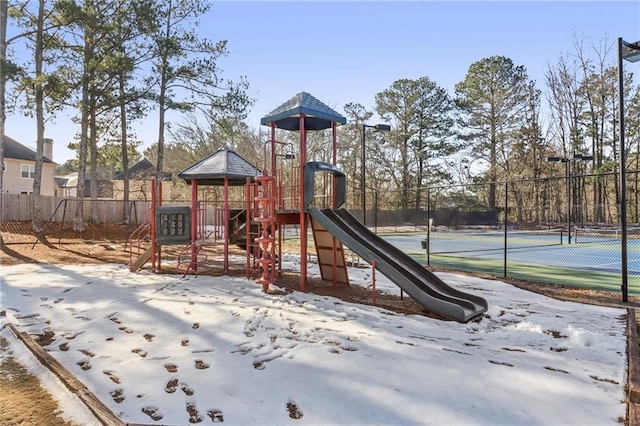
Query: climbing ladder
point(266, 219)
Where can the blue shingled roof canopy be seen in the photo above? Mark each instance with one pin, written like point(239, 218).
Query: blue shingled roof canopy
point(222, 164)
point(318, 116)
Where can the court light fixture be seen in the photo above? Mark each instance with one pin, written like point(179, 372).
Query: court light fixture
point(379, 128)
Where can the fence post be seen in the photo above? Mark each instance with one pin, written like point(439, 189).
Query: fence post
point(428, 221)
point(375, 211)
point(373, 282)
point(506, 223)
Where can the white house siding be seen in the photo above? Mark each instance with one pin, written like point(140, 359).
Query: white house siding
point(14, 183)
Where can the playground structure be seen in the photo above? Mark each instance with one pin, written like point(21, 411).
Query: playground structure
point(204, 222)
point(270, 206)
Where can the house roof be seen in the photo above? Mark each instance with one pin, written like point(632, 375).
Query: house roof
point(222, 164)
point(318, 116)
point(143, 168)
point(68, 181)
point(15, 150)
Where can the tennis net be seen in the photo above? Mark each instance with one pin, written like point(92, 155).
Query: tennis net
point(603, 235)
point(446, 242)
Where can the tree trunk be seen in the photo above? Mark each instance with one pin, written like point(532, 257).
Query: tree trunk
point(162, 102)
point(36, 224)
point(78, 224)
point(3, 81)
point(93, 153)
point(125, 148)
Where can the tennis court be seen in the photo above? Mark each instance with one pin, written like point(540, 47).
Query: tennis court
point(592, 260)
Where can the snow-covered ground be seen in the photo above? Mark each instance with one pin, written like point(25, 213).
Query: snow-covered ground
point(163, 349)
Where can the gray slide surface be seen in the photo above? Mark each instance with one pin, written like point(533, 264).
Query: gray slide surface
point(421, 284)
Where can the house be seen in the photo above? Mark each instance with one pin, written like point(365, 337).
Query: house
point(20, 168)
point(140, 176)
point(67, 186)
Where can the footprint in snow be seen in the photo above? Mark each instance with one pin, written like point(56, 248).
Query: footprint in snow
point(112, 376)
point(117, 395)
point(201, 365)
point(153, 412)
point(194, 416)
point(84, 365)
point(215, 415)
point(294, 410)
point(140, 352)
point(171, 386)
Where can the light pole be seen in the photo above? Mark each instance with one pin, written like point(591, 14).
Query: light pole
point(631, 53)
point(566, 174)
point(567, 161)
point(379, 128)
point(580, 157)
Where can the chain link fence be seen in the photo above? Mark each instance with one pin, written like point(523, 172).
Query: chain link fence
point(554, 230)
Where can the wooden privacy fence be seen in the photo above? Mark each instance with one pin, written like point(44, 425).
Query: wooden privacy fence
point(19, 208)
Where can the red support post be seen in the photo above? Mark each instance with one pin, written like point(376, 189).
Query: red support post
point(158, 247)
point(226, 226)
point(194, 226)
point(153, 225)
point(273, 150)
point(373, 281)
point(333, 204)
point(248, 197)
point(303, 216)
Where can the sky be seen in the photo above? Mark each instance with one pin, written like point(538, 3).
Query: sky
point(158, 346)
point(344, 52)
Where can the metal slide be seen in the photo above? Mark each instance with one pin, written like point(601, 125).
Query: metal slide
point(417, 281)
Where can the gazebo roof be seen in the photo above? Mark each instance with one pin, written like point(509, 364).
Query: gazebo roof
point(222, 164)
point(318, 116)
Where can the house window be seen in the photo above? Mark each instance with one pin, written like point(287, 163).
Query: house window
point(28, 171)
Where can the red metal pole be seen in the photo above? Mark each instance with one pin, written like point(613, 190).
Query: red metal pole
point(248, 197)
point(278, 200)
point(303, 217)
point(153, 225)
point(273, 150)
point(280, 250)
point(159, 247)
point(226, 226)
point(194, 225)
point(373, 281)
point(333, 203)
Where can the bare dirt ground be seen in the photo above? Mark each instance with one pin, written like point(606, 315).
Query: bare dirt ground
point(108, 244)
point(22, 400)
